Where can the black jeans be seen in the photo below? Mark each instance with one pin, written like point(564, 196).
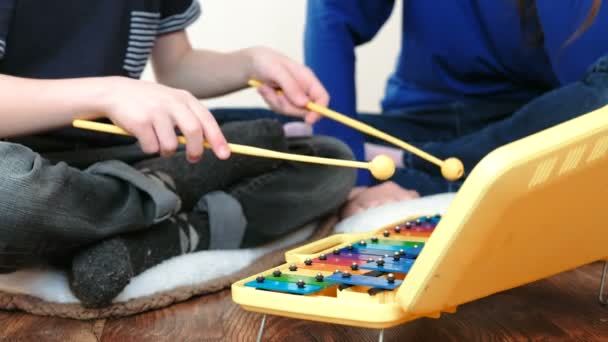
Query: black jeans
point(50, 209)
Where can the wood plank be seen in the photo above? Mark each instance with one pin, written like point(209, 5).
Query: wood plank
point(561, 308)
point(18, 326)
point(564, 307)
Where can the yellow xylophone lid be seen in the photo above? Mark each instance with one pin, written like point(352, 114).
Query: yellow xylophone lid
point(529, 210)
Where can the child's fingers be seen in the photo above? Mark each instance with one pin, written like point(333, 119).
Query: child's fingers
point(147, 138)
point(268, 93)
point(315, 90)
point(290, 86)
point(191, 129)
point(286, 107)
point(278, 102)
point(311, 118)
point(165, 132)
point(270, 96)
point(211, 130)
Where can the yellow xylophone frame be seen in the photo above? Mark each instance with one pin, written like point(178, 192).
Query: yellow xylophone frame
point(527, 211)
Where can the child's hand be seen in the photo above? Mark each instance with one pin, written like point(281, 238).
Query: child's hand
point(297, 81)
point(151, 112)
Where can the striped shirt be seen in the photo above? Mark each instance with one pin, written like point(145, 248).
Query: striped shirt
point(75, 38)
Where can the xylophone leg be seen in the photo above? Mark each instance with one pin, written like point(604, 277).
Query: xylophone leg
point(381, 336)
point(602, 298)
point(261, 331)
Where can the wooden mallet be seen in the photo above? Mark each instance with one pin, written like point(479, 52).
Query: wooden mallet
point(381, 167)
point(451, 168)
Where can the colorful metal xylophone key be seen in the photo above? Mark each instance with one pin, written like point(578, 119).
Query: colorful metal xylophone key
point(377, 263)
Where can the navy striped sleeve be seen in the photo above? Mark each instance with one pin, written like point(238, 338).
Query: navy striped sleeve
point(176, 15)
point(6, 13)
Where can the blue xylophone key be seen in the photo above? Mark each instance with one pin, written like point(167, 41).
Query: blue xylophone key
point(378, 246)
point(360, 280)
point(410, 252)
point(402, 266)
point(280, 286)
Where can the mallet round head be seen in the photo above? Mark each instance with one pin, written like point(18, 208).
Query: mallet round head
point(452, 169)
point(382, 167)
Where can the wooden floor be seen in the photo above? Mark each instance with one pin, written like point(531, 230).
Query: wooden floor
point(562, 308)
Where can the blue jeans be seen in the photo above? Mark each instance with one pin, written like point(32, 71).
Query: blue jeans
point(470, 130)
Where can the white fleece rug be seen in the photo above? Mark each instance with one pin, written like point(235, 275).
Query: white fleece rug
point(52, 285)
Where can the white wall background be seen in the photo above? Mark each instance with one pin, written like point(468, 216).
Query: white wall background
point(233, 24)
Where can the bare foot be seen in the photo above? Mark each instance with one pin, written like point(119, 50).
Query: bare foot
point(356, 191)
point(362, 199)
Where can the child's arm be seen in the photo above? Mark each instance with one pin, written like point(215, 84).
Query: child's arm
point(149, 111)
point(208, 74)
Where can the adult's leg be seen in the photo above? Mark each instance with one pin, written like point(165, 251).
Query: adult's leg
point(550, 109)
point(48, 209)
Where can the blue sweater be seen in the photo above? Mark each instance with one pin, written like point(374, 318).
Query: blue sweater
point(451, 51)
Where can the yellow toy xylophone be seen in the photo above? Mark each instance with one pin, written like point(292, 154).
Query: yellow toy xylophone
point(527, 211)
